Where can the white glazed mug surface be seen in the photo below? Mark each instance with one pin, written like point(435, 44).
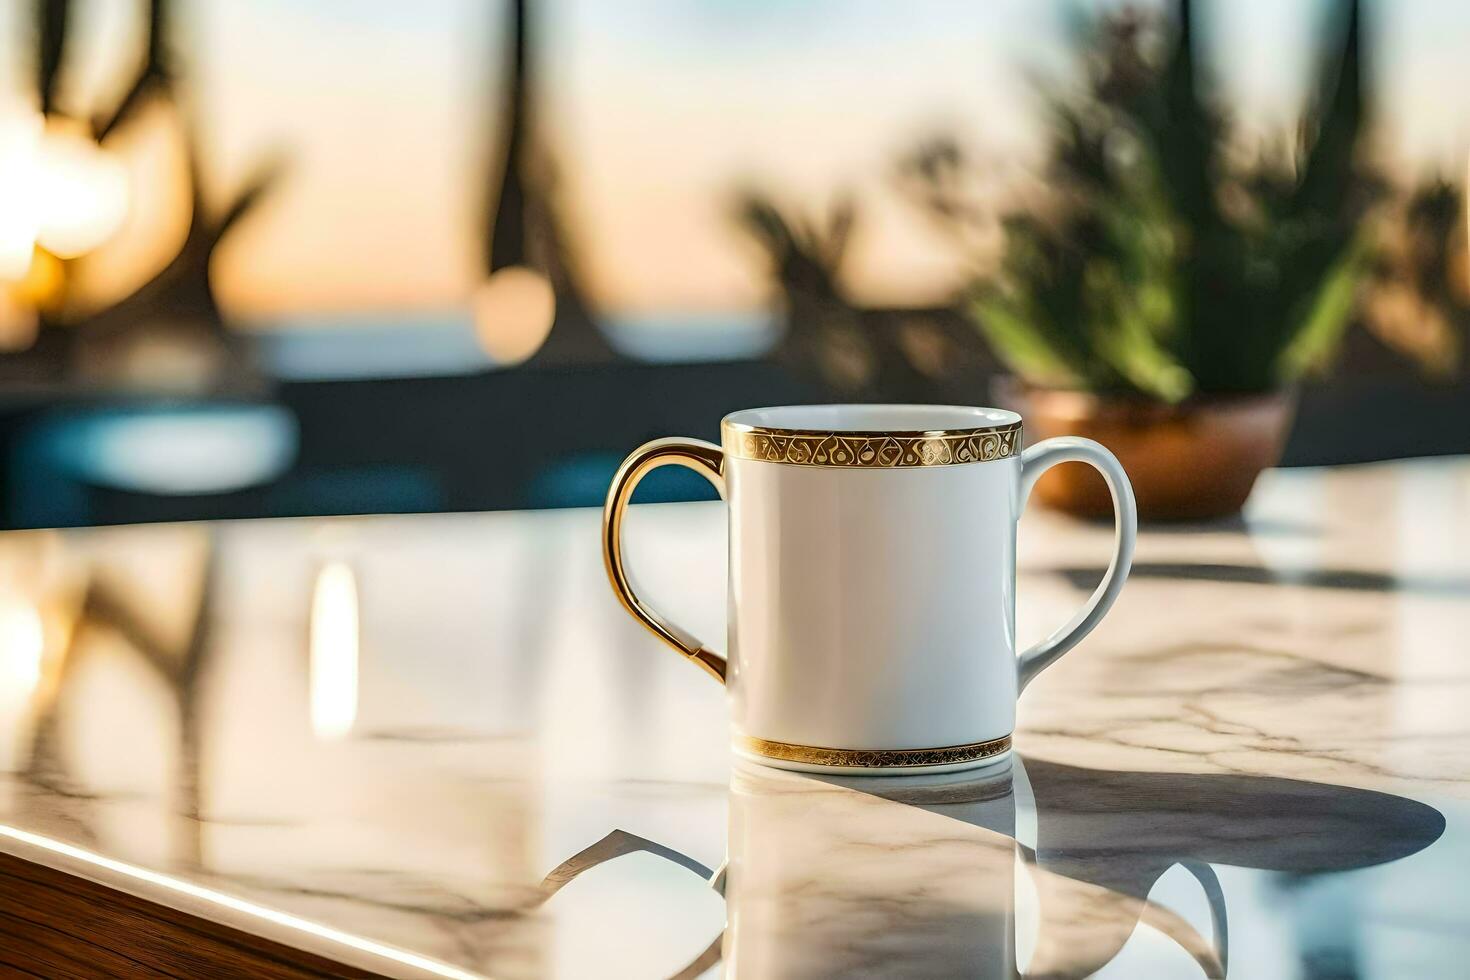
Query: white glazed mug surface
point(872, 579)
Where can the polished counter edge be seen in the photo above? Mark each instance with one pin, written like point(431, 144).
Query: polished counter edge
point(215, 906)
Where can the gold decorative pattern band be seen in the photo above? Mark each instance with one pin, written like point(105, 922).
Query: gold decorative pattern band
point(871, 449)
point(874, 758)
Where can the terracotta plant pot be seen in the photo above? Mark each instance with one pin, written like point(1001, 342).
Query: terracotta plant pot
point(1192, 461)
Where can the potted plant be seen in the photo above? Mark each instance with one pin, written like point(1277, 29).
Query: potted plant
point(1168, 288)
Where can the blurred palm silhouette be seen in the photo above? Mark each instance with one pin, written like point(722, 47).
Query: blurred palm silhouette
point(523, 231)
point(168, 330)
point(851, 351)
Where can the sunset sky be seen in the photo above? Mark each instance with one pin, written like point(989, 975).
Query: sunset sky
point(657, 112)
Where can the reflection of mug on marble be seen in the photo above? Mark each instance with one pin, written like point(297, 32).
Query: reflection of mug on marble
point(872, 579)
point(826, 879)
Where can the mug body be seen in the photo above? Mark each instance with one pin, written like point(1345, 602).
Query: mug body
point(872, 585)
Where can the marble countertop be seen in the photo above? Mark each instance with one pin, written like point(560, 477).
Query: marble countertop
point(435, 746)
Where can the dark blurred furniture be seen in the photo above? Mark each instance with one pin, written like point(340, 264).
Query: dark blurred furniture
point(534, 437)
point(518, 438)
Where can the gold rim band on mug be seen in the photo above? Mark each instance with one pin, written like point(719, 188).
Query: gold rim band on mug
point(874, 758)
point(871, 450)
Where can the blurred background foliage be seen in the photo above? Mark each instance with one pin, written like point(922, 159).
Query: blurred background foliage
point(1417, 295)
point(1167, 261)
point(858, 351)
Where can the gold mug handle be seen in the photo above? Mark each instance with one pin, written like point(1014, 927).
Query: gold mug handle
point(708, 461)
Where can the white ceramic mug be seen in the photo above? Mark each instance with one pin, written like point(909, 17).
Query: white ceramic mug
point(872, 579)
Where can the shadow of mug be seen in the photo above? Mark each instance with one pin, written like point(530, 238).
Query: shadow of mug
point(1121, 831)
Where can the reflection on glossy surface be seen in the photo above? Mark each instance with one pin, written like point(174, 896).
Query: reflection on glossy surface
point(334, 651)
point(38, 603)
point(22, 644)
point(1261, 760)
point(22, 648)
point(823, 882)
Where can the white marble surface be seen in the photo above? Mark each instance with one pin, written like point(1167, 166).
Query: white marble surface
point(468, 761)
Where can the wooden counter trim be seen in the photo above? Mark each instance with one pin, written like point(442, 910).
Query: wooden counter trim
point(53, 924)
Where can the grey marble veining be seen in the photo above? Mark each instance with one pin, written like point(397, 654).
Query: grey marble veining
point(438, 747)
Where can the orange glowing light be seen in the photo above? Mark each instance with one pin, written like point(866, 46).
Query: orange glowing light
point(20, 140)
point(82, 190)
point(513, 311)
point(58, 190)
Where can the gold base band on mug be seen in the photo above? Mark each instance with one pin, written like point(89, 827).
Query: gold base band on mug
point(812, 755)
